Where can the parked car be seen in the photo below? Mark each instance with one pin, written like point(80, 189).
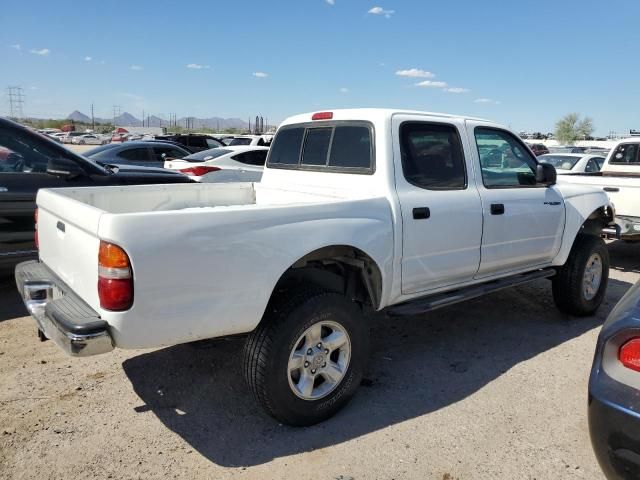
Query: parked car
point(620, 178)
point(193, 141)
point(147, 154)
point(614, 391)
point(224, 164)
point(336, 228)
point(567, 163)
point(119, 137)
point(253, 140)
point(89, 139)
point(28, 162)
point(538, 148)
point(69, 136)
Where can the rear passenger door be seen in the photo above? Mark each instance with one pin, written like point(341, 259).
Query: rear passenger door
point(441, 209)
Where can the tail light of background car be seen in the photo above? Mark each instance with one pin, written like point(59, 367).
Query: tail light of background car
point(115, 279)
point(199, 170)
point(629, 354)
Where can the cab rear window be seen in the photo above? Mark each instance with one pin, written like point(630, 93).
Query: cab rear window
point(344, 146)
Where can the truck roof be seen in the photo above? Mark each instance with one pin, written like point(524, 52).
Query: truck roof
point(375, 114)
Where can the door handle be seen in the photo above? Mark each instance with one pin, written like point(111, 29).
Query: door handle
point(421, 213)
point(611, 189)
point(497, 209)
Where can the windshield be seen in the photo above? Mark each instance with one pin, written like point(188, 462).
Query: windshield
point(207, 155)
point(561, 162)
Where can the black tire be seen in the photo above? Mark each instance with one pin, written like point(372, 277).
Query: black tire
point(267, 351)
point(568, 284)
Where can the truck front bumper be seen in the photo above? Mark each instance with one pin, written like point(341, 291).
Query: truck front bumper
point(60, 314)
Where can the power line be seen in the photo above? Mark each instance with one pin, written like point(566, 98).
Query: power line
point(16, 102)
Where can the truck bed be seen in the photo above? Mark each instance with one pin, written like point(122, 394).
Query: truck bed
point(200, 254)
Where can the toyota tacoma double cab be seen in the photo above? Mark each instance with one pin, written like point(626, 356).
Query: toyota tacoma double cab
point(358, 210)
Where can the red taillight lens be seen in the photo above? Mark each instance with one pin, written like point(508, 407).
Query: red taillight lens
point(36, 239)
point(629, 354)
point(322, 116)
point(199, 171)
point(115, 281)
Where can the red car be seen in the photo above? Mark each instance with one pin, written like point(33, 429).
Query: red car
point(538, 148)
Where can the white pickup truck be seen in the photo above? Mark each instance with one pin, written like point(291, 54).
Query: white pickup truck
point(358, 210)
point(620, 178)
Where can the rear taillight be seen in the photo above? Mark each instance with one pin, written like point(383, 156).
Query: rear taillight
point(35, 234)
point(115, 280)
point(629, 354)
point(199, 171)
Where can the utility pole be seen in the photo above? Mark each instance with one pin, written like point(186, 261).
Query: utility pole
point(143, 117)
point(16, 101)
point(116, 113)
point(93, 120)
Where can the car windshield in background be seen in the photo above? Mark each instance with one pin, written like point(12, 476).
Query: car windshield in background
point(207, 155)
point(240, 141)
point(561, 162)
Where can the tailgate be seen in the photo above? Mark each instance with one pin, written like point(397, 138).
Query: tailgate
point(67, 231)
point(623, 191)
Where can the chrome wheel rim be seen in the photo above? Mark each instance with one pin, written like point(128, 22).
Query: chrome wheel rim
point(319, 360)
point(592, 277)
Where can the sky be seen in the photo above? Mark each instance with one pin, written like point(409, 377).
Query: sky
point(524, 64)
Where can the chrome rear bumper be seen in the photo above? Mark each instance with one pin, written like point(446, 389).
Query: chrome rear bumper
point(60, 314)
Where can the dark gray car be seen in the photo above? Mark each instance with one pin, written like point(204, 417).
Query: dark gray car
point(146, 154)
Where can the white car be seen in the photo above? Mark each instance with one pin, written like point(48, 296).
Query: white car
point(89, 139)
point(223, 164)
point(567, 163)
point(252, 140)
point(620, 178)
point(358, 211)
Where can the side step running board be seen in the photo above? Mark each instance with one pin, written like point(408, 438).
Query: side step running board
point(439, 300)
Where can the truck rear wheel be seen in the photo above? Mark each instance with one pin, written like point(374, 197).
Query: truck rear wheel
point(581, 283)
point(307, 357)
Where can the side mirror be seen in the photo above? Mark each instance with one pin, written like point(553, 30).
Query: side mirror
point(62, 167)
point(546, 174)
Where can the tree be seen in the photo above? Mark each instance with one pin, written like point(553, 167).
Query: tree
point(571, 128)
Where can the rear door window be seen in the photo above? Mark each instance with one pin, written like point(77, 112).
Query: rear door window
point(135, 154)
point(256, 158)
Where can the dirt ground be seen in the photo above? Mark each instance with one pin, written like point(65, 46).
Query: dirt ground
point(495, 388)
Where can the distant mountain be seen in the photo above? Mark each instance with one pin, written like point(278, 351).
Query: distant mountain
point(77, 116)
point(128, 120)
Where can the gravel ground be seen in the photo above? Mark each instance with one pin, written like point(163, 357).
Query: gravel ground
point(491, 389)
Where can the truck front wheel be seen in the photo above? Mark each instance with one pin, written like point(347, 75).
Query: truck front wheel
point(581, 283)
point(306, 359)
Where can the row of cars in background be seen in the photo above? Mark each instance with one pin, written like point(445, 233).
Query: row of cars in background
point(568, 159)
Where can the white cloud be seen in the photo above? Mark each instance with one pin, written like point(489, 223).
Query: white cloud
point(197, 66)
point(260, 74)
point(487, 100)
point(330, 2)
point(88, 58)
point(33, 88)
point(457, 90)
point(430, 84)
point(102, 62)
point(42, 51)
point(344, 90)
point(135, 67)
point(415, 73)
point(17, 46)
point(381, 11)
